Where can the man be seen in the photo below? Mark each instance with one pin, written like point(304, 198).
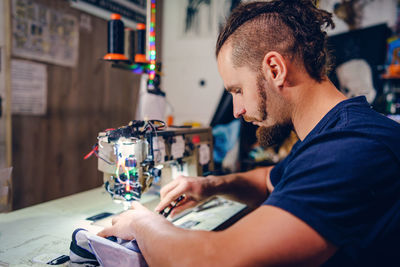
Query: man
point(334, 200)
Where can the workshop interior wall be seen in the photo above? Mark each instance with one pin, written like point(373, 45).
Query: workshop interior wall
point(188, 59)
point(48, 150)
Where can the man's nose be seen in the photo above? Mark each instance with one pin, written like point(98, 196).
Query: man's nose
point(238, 110)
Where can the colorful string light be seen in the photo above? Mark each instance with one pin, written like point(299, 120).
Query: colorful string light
point(152, 41)
point(149, 68)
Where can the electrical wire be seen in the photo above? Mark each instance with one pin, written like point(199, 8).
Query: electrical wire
point(103, 159)
point(94, 149)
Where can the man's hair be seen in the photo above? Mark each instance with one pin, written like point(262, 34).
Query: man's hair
point(294, 28)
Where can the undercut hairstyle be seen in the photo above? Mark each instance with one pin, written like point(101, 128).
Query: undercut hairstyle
point(293, 28)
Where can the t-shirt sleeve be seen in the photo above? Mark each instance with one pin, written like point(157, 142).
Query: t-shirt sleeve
point(339, 185)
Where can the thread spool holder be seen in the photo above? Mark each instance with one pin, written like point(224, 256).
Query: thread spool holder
point(147, 64)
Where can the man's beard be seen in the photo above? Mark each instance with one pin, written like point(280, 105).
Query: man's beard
point(271, 135)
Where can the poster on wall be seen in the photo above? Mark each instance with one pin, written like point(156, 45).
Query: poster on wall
point(203, 18)
point(29, 87)
point(44, 34)
point(357, 61)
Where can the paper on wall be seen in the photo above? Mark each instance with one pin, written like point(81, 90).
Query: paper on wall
point(44, 33)
point(29, 87)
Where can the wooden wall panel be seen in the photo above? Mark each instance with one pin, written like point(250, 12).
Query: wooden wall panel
point(48, 150)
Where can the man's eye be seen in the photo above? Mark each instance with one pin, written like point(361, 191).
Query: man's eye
point(238, 91)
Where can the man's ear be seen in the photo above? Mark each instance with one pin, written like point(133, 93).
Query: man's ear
point(274, 68)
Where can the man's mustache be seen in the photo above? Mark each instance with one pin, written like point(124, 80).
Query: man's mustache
point(250, 119)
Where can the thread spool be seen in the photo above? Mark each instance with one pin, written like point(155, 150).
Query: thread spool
point(129, 44)
point(115, 40)
point(140, 56)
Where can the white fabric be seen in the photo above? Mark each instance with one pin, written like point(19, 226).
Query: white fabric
point(110, 254)
point(107, 253)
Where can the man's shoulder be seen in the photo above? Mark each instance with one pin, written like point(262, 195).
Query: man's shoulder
point(350, 154)
point(345, 142)
point(361, 120)
point(371, 134)
point(341, 150)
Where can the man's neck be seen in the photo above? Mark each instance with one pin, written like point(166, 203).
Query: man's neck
point(313, 101)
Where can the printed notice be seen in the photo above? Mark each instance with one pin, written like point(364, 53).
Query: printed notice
point(204, 154)
point(29, 87)
point(178, 147)
point(159, 149)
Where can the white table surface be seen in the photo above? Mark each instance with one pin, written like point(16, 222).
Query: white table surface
point(47, 228)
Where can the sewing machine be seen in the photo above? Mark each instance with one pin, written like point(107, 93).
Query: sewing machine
point(146, 153)
point(160, 153)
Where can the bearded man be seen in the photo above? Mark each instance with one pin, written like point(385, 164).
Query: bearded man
point(334, 201)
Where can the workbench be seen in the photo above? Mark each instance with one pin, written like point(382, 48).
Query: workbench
point(47, 228)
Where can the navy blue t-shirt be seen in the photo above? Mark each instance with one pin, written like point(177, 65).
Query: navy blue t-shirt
point(343, 180)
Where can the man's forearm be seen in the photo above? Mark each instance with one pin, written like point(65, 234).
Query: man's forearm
point(247, 187)
point(163, 244)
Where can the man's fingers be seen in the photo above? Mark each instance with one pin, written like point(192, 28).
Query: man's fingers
point(182, 202)
point(184, 206)
point(106, 232)
point(168, 187)
point(172, 195)
point(136, 205)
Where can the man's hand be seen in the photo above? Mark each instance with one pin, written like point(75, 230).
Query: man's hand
point(251, 188)
point(194, 188)
point(122, 224)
